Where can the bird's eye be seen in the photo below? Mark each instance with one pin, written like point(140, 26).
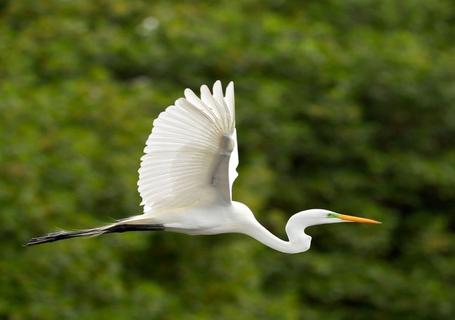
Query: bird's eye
point(331, 215)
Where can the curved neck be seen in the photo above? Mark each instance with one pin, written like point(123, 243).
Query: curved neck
point(295, 245)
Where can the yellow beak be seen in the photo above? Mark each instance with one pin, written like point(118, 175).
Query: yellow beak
point(356, 219)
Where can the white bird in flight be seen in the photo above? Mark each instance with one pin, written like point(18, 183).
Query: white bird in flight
point(186, 177)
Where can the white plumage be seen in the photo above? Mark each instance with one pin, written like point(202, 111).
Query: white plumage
point(186, 177)
point(192, 144)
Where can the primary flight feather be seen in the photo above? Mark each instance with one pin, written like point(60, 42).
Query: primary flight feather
point(186, 176)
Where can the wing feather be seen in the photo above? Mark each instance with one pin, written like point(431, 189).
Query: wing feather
point(191, 155)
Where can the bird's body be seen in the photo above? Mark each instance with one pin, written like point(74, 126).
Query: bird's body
point(200, 220)
point(186, 177)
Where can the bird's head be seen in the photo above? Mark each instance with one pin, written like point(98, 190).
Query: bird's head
point(299, 221)
point(320, 216)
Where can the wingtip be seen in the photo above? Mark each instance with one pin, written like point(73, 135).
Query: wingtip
point(229, 95)
point(204, 87)
point(230, 90)
point(205, 90)
point(188, 93)
point(217, 88)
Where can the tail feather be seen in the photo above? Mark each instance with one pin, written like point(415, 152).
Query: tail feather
point(120, 227)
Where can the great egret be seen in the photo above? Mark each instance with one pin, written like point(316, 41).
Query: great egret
point(186, 176)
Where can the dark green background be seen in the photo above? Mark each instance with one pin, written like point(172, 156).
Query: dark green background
point(347, 105)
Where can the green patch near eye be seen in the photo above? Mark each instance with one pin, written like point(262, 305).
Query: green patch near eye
point(332, 215)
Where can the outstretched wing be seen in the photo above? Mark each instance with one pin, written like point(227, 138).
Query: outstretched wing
point(191, 155)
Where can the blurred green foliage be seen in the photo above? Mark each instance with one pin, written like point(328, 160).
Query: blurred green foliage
point(342, 104)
